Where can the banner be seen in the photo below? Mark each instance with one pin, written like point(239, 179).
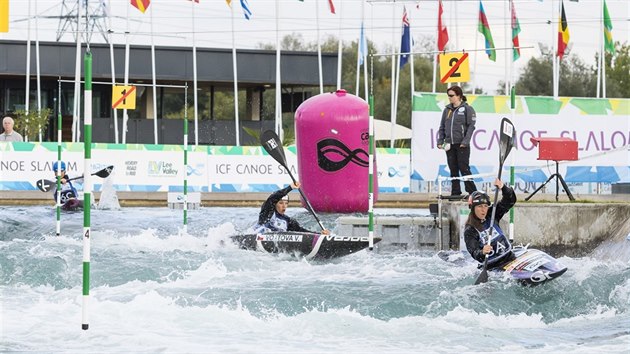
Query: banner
point(600, 126)
point(160, 168)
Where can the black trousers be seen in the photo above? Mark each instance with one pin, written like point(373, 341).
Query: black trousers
point(458, 160)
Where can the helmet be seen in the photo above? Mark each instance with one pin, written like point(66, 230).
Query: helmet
point(286, 197)
point(55, 166)
point(478, 198)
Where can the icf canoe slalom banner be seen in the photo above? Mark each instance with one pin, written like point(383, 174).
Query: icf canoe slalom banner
point(160, 168)
point(600, 126)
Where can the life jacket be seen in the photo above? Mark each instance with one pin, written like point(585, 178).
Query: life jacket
point(67, 192)
point(277, 222)
point(501, 246)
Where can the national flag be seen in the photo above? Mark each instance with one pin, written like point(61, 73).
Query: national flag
point(362, 46)
point(516, 29)
point(563, 33)
point(246, 12)
point(141, 5)
point(442, 32)
point(609, 45)
point(405, 46)
point(484, 28)
point(229, 3)
point(196, 1)
point(4, 15)
point(331, 6)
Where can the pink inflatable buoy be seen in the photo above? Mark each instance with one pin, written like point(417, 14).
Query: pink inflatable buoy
point(331, 133)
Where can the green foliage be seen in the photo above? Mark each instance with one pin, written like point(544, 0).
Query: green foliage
point(577, 79)
point(31, 124)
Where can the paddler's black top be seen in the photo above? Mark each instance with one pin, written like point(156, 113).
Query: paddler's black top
point(472, 236)
point(268, 211)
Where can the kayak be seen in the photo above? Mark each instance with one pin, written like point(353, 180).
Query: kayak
point(529, 266)
point(72, 205)
point(303, 244)
point(532, 266)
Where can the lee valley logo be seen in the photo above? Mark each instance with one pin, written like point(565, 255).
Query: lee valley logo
point(280, 238)
point(161, 169)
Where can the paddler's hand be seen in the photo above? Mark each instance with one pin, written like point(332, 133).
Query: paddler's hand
point(296, 185)
point(498, 183)
point(325, 232)
point(487, 249)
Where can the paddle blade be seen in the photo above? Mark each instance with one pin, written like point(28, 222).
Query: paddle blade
point(483, 276)
point(271, 143)
point(104, 172)
point(506, 141)
point(44, 185)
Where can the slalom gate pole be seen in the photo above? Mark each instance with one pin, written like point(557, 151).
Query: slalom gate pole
point(513, 112)
point(186, 159)
point(58, 172)
point(87, 184)
point(371, 165)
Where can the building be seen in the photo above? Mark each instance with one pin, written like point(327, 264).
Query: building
point(174, 84)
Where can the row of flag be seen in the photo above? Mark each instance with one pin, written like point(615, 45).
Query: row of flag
point(484, 28)
point(143, 5)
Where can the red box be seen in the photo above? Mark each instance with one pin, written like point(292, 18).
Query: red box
point(557, 149)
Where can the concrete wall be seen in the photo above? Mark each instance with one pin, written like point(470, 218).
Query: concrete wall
point(571, 229)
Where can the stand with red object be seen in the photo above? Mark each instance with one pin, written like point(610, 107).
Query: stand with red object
point(556, 149)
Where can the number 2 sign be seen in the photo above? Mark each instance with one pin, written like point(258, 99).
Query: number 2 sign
point(454, 67)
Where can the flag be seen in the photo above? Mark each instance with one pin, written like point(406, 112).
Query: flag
point(609, 45)
point(484, 28)
point(246, 12)
point(442, 32)
point(229, 3)
point(4, 15)
point(405, 46)
point(362, 46)
point(196, 1)
point(563, 32)
point(141, 5)
point(331, 6)
point(516, 29)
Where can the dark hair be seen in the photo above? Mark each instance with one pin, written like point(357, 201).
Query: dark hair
point(458, 91)
point(474, 221)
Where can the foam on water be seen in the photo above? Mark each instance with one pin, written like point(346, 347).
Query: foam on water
point(156, 289)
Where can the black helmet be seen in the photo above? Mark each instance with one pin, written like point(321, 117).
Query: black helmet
point(478, 198)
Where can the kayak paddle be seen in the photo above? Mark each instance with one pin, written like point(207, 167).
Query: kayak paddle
point(45, 185)
point(271, 143)
point(505, 145)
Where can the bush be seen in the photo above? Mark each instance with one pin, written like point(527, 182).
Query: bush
point(30, 125)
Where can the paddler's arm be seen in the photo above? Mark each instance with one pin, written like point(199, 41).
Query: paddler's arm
point(473, 244)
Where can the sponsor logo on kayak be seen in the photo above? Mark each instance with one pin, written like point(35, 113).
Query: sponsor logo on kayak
point(347, 238)
point(540, 276)
point(280, 238)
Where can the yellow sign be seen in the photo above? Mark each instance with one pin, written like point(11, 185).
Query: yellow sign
point(454, 67)
point(124, 97)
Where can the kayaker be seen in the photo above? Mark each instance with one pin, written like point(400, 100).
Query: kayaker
point(272, 215)
point(477, 229)
point(69, 194)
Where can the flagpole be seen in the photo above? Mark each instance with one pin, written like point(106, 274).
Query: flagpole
point(319, 50)
point(235, 73)
point(192, 4)
point(37, 63)
point(603, 53)
point(154, 85)
point(278, 122)
point(340, 46)
point(554, 54)
point(111, 63)
point(411, 68)
point(27, 95)
point(508, 68)
point(392, 108)
point(359, 43)
point(125, 116)
point(77, 80)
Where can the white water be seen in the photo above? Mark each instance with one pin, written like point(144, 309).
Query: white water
point(154, 289)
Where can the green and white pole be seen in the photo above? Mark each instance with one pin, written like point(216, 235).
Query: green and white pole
point(371, 163)
point(513, 110)
point(58, 172)
point(87, 184)
point(186, 159)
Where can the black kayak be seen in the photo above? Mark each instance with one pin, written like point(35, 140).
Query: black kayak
point(72, 205)
point(532, 266)
point(303, 244)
